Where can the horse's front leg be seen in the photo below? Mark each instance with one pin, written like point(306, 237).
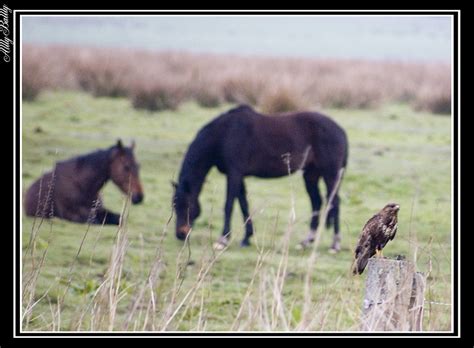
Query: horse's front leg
point(100, 215)
point(233, 189)
point(106, 217)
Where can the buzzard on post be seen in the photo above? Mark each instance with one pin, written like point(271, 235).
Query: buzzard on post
point(376, 233)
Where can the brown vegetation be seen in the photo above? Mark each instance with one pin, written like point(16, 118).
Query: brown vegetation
point(162, 80)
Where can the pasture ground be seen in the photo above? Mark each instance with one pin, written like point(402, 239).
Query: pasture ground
point(396, 154)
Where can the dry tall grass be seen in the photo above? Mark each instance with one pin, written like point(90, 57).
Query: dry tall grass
point(149, 309)
point(157, 81)
point(152, 307)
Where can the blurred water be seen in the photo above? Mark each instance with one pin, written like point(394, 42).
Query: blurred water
point(407, 38)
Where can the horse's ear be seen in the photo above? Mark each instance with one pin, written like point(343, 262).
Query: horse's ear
point(132, 145)
point(119, 144)
point(117, 149)
point(174, 184)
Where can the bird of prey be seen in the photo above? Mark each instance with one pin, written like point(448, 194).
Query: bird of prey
point(376, 233)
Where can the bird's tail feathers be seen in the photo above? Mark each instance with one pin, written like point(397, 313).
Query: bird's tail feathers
point(359, 264)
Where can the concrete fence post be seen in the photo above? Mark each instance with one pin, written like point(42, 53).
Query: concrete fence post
point(394, 296)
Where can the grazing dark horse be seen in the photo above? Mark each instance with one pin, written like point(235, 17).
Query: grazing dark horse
point(71, 190)
point(243, 142)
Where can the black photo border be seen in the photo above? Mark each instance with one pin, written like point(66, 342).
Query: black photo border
point(14, 74)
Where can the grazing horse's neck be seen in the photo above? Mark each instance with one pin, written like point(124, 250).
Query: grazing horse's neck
point(194, 173)
point(197, 163)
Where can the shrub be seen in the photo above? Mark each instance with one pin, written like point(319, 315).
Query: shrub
point(157, 96)
point(242, 90)
point(208, 98)
point(205, 92)
point(102, 76)
point(435, 100)
point(34, 77)
point(280, 100)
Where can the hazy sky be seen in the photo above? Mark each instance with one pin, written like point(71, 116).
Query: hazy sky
point(425, 38)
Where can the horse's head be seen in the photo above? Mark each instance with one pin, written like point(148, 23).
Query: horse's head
point(186, 206)
point(124, 171)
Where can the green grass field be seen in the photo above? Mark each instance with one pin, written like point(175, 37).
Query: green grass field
point(396, 154)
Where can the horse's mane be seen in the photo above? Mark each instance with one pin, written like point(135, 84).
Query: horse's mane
point(199, 152)
point(195, 151)
point(96, 159)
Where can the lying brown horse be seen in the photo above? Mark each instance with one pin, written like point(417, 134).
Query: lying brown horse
point(71, 190)
point(243, 142)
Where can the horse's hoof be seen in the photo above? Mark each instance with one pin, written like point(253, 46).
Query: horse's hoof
point(244, 244)
point(304, 244)
point(333, 250)
point(299, 246)
point(221, 243)
point(219, 246)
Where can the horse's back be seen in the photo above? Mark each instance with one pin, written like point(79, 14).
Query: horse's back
point(324, 125)
point(289, 124)
point(330, 138)
point(39, 197)
point(257, 142)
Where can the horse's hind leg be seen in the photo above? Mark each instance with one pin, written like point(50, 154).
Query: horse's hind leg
point(311, 177)
point(245, 212)
point(332, 183)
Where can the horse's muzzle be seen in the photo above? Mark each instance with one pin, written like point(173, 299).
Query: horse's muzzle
point(137, 198)
point(182, 232)
point(180, 235)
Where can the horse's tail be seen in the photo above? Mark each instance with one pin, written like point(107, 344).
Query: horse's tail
point(346, 156)
point(332, 213)
point(330, 220)
point(346, 152)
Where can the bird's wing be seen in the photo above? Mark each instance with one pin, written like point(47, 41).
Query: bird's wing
point(366, 233)
point(364, 249)
point(394, 231)
point(390, 221)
